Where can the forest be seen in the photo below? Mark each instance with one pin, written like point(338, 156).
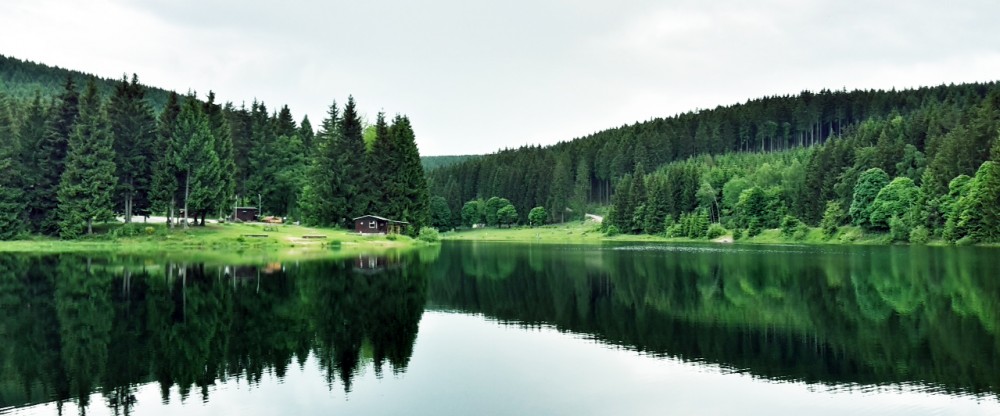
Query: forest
point(776, 162)
point(74, 158)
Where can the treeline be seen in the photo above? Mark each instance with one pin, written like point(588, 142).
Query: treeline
point(73, 160)
point(929, 174)
point(21, 80)
point(585, 171)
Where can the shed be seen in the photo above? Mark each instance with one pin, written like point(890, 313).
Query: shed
point(245, 214)
point(372, 224)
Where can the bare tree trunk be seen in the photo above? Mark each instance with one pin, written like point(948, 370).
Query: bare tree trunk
point(187, 193)
point(170, 215)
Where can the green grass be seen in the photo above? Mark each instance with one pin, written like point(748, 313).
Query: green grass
point(220, 242)
point(581, 233)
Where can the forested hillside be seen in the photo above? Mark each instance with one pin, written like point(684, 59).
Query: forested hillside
point(928, 136)
point(433, 162)
point(71, 160)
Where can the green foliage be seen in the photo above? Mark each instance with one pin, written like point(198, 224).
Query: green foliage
point(440, 213)
point(715, 231)
point(133, 128)
point(429, 235)
point(473, 212)
point(869, 184)
point(506, 215)
point(899, 229)
point(789, 225)
point(979, 215)
point(897, 199)
point(833, 217)
point(87, 184)
point(737, 234)
point(612, 231)
point(537, 216)
point(919, 235)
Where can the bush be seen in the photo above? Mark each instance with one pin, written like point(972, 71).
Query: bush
point(612, 231)
point(149, 230)
point(899, 230)
point(920, 235)
point(392, 237)
point(965, 241)
point(754, 229)
point(715, 231)
point(789, 225)
point(429, 235)
point(737, 234)
point(850, 236)
point(127, 230)
point(800, 233)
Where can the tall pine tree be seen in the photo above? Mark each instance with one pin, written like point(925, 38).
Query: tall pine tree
point(52, 160)
point(163, 190)
point(11, 197)
point(134, 128)
point(413, 181)
point(322, 200)
point(197, 161)
point(87, 185)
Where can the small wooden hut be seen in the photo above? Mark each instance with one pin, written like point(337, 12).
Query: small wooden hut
point(372, 224)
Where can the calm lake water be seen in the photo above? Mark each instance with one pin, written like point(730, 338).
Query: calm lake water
point(474, 328)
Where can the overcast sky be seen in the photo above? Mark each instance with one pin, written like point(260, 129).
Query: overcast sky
point(477, 76)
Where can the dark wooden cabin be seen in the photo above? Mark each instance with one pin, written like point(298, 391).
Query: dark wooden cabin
point(246, 214)
point(371, 224)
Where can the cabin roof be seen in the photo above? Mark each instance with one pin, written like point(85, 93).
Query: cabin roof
point(380, 218)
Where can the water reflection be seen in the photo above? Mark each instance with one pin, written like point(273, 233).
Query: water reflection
point(72, 325)
point(840, 316)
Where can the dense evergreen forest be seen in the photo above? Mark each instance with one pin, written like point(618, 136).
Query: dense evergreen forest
point(433, 162)
point(71, 159)
point(773, 162)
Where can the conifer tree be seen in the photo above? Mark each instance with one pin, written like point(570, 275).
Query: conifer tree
point(30, 171)
point(164, 187)
point(350, 147)
point(413, 181)
point(11, 198)
point(197, 161)
point(134, 128)
point(306, 134)
point(869, 184)
point(980, 215)
point(383, 169)
point(52, 159)
point(226, 186)
point(88, 182)
point(581, 188)
point(322, 200)
point(561, 188)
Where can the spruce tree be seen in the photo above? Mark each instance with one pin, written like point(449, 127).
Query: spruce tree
point(322, 201)
point(87, 185)
point(581, 189)
point(980, 215)
point(383, 172)
point(412, 180)
point(134, 128)
point(561, 188)
point(29, 154)
point(52, 159)
point(225, 188)
point(197, 161)
point(163, 190)
point(11, 198)
point(351, 149)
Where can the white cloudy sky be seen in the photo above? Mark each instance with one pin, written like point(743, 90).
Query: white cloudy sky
point(476, 76)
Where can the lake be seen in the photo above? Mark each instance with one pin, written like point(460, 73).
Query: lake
point(500, 328)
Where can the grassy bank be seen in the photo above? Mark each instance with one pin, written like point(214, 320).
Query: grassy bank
point(589, 232)
point(222, 242)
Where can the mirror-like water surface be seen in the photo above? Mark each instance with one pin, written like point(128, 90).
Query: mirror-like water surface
point(508, 329)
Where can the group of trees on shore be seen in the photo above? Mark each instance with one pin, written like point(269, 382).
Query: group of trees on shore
point(72, 160)
point(929, 174)
point(799, 152)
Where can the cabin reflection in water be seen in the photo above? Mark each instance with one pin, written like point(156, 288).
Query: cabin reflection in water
point(371, 264)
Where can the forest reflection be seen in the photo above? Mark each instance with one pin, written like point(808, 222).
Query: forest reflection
point(838, 316)
point(75, 324)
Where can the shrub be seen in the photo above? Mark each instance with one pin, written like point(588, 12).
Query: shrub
point(391, 237)
point(737, 234)
point(919, 235)
point(612, 231)
point(800, 233)
point(965, 241)
point(127, 230)
point(715, 231)
point(899, 230)
point(429, 235)
point(850, 236)
point(754, 229)
point(789, 225)
point(149, 230)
